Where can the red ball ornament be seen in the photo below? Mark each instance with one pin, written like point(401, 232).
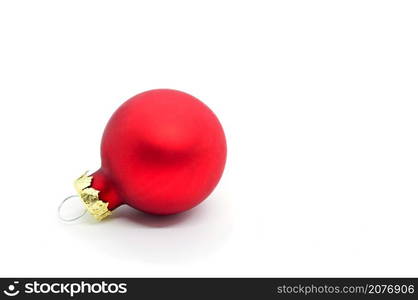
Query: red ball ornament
point(163, 152)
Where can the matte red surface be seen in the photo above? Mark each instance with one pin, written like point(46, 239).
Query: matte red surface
point(163, 152)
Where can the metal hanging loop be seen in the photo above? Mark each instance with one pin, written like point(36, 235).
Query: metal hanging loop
point(69, 219)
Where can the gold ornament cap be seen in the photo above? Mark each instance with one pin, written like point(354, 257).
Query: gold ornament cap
point(90, 197)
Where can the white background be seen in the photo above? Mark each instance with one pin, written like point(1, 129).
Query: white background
point(319, 101)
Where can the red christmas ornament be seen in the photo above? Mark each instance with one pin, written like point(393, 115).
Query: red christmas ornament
point(163, 152)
